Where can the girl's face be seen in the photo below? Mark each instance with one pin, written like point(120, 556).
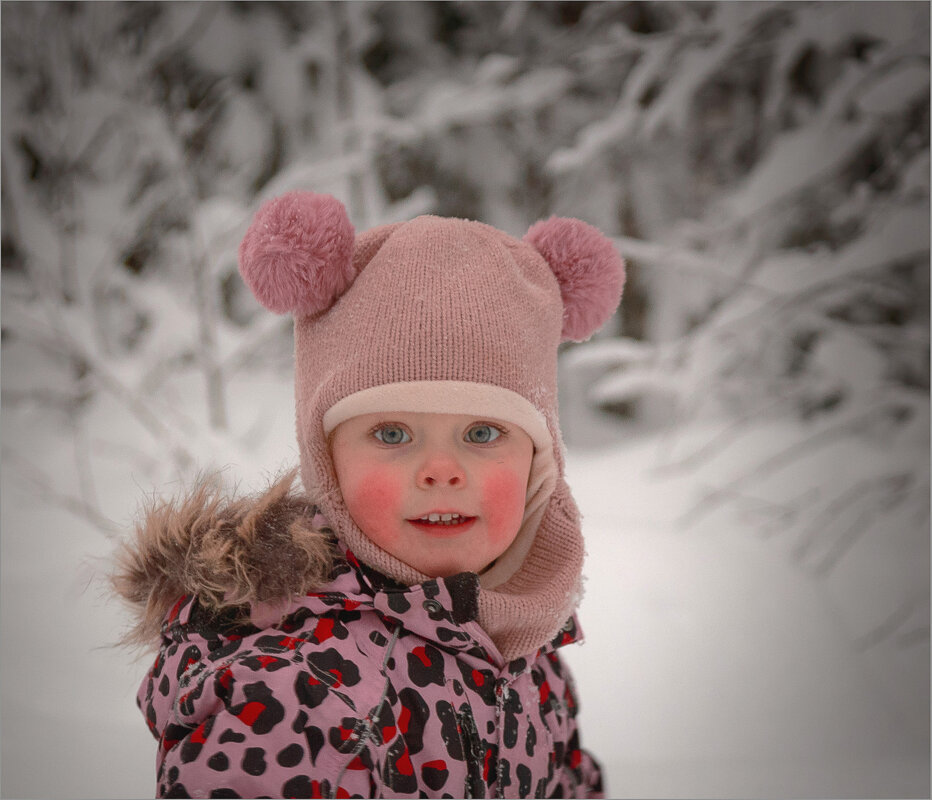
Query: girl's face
point(398, 470)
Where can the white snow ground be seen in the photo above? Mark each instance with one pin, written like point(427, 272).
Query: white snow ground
point(712, 667)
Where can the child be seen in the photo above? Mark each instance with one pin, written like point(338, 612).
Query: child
point(394, 633)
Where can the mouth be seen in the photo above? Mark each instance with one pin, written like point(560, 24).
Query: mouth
point(443, 523)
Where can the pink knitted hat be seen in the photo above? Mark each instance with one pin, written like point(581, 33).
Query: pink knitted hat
point(447, 316)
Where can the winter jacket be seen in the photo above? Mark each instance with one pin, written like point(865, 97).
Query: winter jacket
point(362, 688)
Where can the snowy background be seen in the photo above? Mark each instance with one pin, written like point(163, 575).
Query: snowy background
point(748, 438)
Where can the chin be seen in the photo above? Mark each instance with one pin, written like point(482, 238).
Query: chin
point(445, 571)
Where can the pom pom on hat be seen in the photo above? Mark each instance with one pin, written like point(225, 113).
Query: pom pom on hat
point(297, 256)
point(589, 270)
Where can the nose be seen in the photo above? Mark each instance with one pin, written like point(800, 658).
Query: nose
point(440, 469)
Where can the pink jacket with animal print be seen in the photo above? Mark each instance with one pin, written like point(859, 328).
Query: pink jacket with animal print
point(363, 688)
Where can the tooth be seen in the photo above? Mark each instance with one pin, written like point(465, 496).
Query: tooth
point(433, 517)
point(446, 517)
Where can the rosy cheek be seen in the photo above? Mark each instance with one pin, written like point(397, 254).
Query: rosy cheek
point(503, 495)
point(374, 502)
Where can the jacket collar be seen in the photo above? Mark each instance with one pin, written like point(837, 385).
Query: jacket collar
point(442, 611)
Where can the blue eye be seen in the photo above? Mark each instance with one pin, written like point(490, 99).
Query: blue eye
point(391, 434)
point(482, 434)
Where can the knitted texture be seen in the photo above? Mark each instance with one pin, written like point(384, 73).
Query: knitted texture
point(297, 255)
point(453, 301)
point(590, 272)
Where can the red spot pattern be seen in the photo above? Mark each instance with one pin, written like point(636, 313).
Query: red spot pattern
point(575, 758)
point(251, 712)
point(404, 719)
point(568, 698)
point(404, 763)
point(324, 629)
point(173, 614)
point(485, 765)
point(478, 677)
point(439, 765)
point(290, 642)
point(544, 692)
point(356, 763)
point(264, 661)
point(421, 653)
point(198, 736)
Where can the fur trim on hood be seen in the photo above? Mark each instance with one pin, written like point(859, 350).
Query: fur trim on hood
point(230, 552)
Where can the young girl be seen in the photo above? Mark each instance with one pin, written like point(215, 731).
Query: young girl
point(393, 632)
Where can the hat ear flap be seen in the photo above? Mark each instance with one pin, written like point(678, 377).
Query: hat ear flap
point(297, 255)
point(589, 270)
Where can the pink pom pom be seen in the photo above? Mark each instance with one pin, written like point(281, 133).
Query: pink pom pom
point(589, 270)
point(297, 255)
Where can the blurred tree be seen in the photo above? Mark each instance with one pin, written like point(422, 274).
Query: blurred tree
point(135, 139)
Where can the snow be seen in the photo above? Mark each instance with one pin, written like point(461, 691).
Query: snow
point(713, 664)
point(448, 102)
point(795, 160)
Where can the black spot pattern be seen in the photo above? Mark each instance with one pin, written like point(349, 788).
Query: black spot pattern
point(398, 772)
point(300, 786)
point(315, 742)
point(230, 735)
point(260, 711)
point(426, 666)
point(397, 602)
point(254, 761)
point(413, 718)
point(511, 708)
point(291, 755)
point(450, 730)
point(219, 762)
point(523, 773)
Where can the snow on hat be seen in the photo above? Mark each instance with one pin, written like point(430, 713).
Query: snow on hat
point(446, 316)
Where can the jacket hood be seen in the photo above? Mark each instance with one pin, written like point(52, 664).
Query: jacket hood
point(230, 553)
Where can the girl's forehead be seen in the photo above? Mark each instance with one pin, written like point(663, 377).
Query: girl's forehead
point(421, 417)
